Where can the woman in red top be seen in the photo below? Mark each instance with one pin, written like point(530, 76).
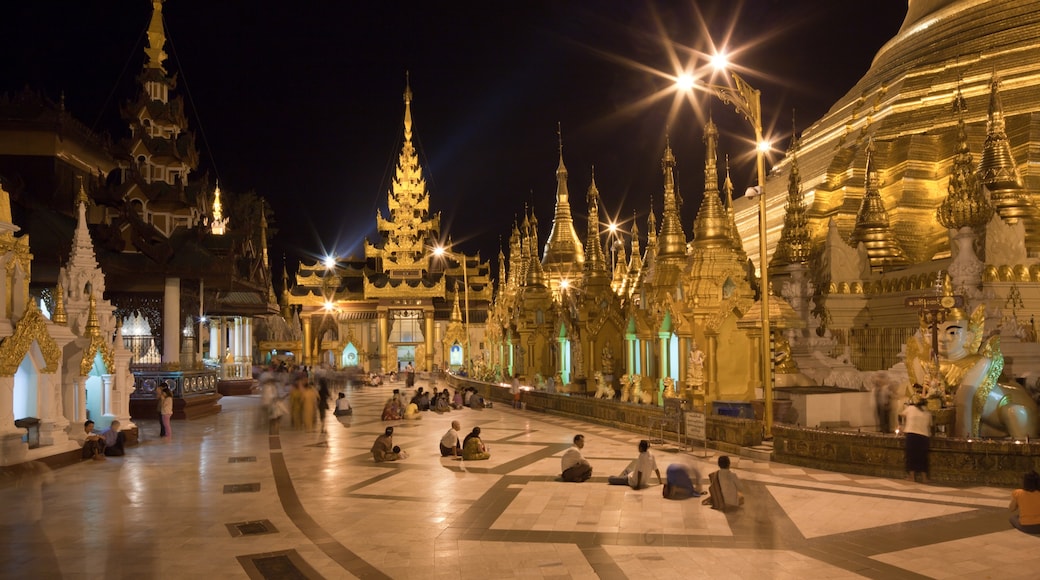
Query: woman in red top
point(1025, 504)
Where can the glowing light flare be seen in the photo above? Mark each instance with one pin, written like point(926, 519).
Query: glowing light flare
point(685, 82)
point(719, 61)
point(329, 261)
point(565, 284)
point(765, 146)
point(328, 306)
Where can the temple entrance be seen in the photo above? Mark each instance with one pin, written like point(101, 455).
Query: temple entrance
point(405, 356)
point(95, 384)
point(455, 356)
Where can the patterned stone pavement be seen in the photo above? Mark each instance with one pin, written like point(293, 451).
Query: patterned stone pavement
point(225, 499)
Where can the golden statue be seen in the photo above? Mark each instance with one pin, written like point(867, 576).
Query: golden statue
point(967, 374)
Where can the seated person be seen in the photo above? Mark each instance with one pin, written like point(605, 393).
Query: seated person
point(442, 404)
point(93, 444)
point(681, 482)
point(467, 396)
point(456, 401)
point(637, 474)
point(473, 449)
point(384, 449)
point(392, 410)
point(412, 412)
point(114, 440)
point(476, 402)
point(450, 445)
point(1025, 504)
point(343, 406)
point(573, 464)
point(724, 488)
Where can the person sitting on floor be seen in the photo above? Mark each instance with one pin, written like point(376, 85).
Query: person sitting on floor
point(456, 401)
point(93, 444)
point(343, 406)
point(441, 403)
point(637, 474)
point(450, 445)
point(681, 482)
point(114, 440)
point(476, 402)
point(724, 487)
point(384, 449)
point(392, 410)
point(412, 412)
point(573, 464)
point(473, 449)
point(1025, 504)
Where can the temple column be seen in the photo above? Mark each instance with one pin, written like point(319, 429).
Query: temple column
point(249, 342)
point(384, 341)
point(663, 338)
point(306, 341)
point(713, 367)
point(214, 340)
point(171, 321)
point(428, 339)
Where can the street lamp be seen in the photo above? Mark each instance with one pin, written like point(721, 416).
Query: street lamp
point(747, 101)
point(440, 251)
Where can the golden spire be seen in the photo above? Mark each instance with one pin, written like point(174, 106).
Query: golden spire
point(793, 247)
point(93, 327)
point(710, 228)
point(219, 223)
point(635, 262)
point(81, 195)
point(535, 273)
point(456, 312)
point(872, 226)
point(5, 207)
point(515, 258)
point(563, 250)
point(672, 244)
point(595, 262)
point(501, 266)
point(731, 226)
point(156, 39)
point(965, 204)
point(997, 168)
point(60, 316)
point(407, 107)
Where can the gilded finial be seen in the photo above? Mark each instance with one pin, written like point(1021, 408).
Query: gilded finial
point(60, 316)
point(93, 327)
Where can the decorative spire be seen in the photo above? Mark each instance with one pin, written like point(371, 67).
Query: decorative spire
point(93, 327)
point(501, 265)
point(595, 261)
point(219, 224)
point(456, 312)
point(407, 107)
point(872, 226)
point(563, 250)
point(965, 204)
point(60, 316)
point(794, 244)
point(535, 273)
point(81, 195)
point(997, 168)
point(155, 54)
point(711, 226)
point(672, 245)
point(731, 226)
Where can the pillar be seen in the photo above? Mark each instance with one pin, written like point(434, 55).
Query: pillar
point(171, 321)
point(249, 341)
point(384, 341)
point(428, 339)
point(713, 367)
point(214, 340)
point(306, 355)
point(663, 338)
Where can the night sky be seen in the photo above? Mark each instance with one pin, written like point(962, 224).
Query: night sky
point(302, 101)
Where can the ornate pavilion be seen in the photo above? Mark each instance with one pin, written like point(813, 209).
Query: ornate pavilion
point(399, 304)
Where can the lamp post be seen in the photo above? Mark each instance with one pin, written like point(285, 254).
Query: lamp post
point(461, 259)
point(747, 101)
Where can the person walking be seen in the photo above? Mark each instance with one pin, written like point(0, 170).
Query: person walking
point(917, 425)
point(166, 411)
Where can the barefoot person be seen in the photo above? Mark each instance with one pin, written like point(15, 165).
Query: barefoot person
point(573, 464)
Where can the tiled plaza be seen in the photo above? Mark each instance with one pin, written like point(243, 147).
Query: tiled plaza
point(223, 499)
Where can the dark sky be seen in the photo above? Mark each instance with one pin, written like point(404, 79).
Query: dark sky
point(301, 101)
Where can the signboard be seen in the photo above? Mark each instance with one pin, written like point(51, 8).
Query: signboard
point(696, 425)
point(934, 302)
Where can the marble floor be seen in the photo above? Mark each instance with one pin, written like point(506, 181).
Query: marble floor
point(225, 499)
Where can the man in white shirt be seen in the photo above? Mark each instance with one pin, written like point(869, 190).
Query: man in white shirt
point(573, 464)
point(724, 487)
point(450, 446)
point(637, 475)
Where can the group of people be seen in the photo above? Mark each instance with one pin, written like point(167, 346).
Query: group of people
point(107, 443)
point(681, 481)
point(399, 406)
point(304, 399)
point(469, 448)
